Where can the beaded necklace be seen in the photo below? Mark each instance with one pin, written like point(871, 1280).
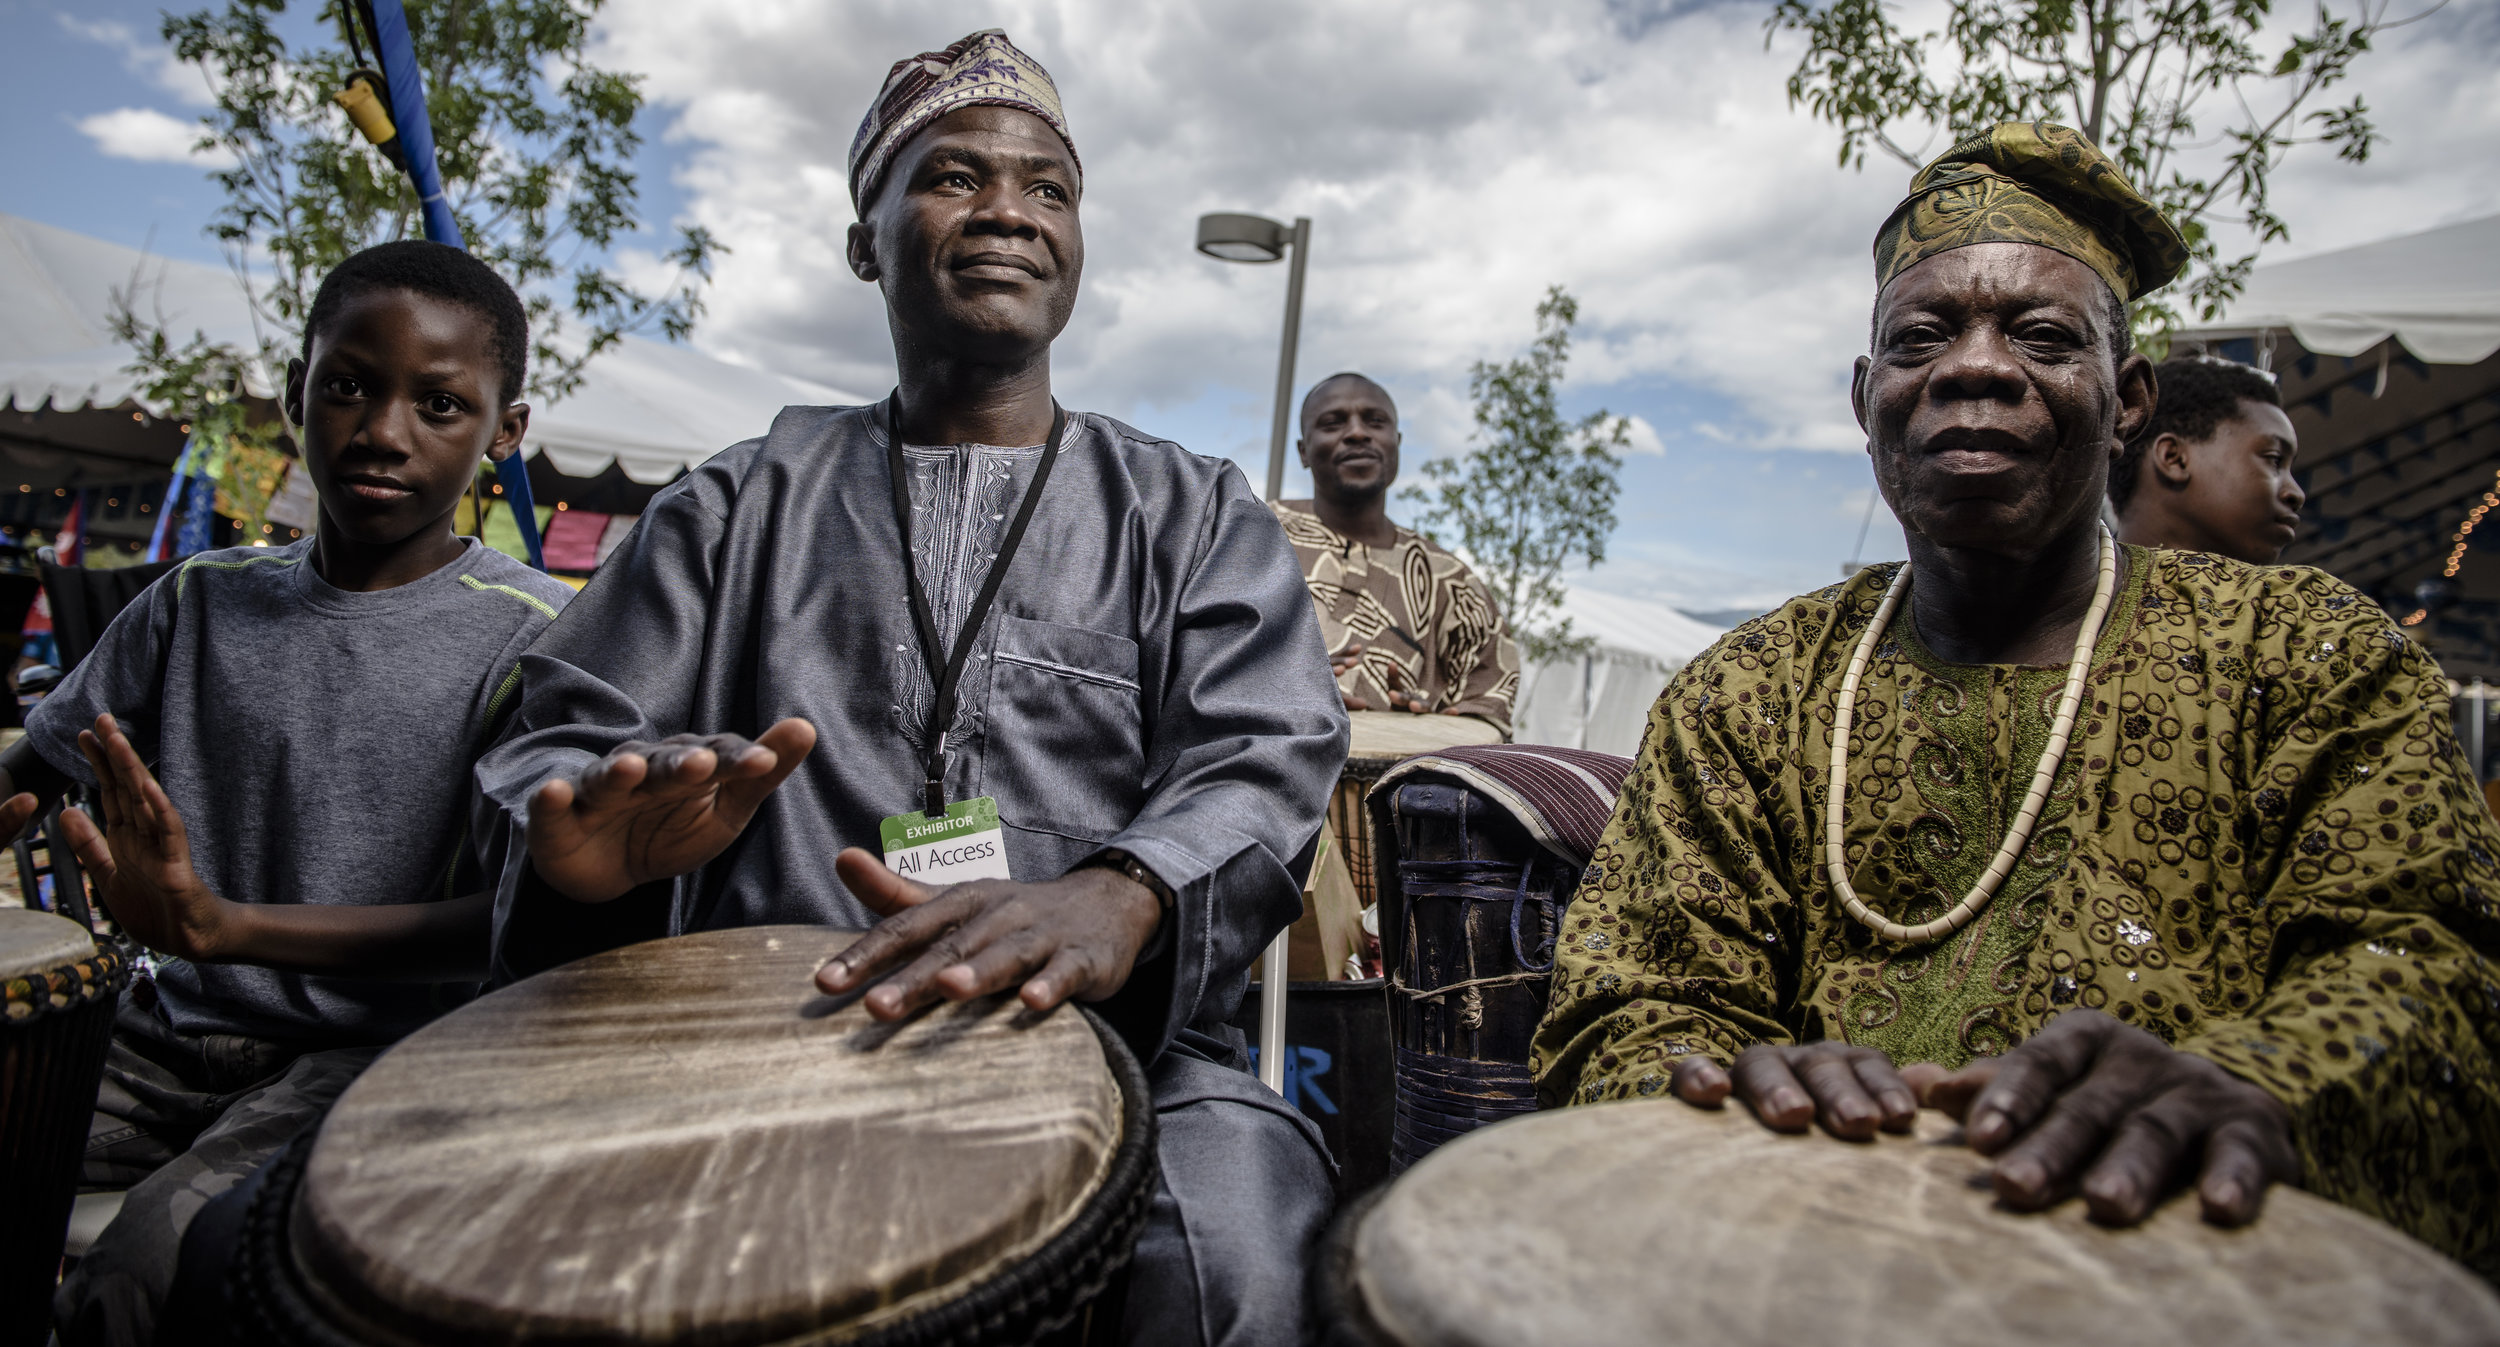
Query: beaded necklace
point(1835, 855)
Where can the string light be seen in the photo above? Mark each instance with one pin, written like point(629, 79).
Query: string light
point(2456, 554)
point(2414, 618)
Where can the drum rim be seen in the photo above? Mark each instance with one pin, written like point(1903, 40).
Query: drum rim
point(66, 988)
point(1345, 1317)
point(1017, 1304)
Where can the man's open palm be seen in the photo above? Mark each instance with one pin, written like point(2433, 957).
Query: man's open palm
point(648, 812)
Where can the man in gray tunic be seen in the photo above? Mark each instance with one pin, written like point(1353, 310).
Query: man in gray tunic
point(750, 688)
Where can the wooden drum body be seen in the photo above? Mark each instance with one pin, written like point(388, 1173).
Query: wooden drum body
point(1653, 1221)
point(683, 1141)
point(60, 990)
point(1467, 939)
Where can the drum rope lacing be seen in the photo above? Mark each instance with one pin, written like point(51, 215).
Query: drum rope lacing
point(1464, 880)
point(2018, 837)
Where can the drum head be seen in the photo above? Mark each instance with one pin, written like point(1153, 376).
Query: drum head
point(38, 942)
point(1391, 735)
point(1658, 1222)
point(685, 1141)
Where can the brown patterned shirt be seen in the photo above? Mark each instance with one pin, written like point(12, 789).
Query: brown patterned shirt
point(1428, 628)
point(2263, 846)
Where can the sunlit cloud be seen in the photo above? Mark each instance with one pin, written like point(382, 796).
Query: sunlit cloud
point(151, 137)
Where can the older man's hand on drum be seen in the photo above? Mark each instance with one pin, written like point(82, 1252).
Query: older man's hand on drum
point(1076, 936)
point(2087, 1105)
point(2090, 1103)
point(1852, 1091)
point(648, 811)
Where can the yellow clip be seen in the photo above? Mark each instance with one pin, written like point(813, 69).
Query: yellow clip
point(365, 110)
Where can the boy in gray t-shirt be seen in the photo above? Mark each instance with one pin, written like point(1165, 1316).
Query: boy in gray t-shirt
point(313, 714)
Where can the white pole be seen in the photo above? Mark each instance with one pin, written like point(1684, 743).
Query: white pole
point(1272, 1015)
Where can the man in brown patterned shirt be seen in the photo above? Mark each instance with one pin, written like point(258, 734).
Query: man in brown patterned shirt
point(1408, 626)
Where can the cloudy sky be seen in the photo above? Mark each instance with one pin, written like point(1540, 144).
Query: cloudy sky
point(1455, 160)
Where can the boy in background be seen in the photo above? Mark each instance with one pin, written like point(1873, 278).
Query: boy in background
point(313, 713)
point(2212, 470)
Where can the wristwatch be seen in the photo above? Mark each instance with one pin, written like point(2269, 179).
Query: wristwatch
point(1117, 860)
point(1126, 864)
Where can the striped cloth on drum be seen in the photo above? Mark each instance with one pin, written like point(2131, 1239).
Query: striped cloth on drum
point(1562, 796)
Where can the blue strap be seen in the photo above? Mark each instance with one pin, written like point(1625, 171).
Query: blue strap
point(416, 134)
point(398, 55)
point(515, 477)
point(173, 497)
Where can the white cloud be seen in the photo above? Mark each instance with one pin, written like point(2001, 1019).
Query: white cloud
point(1454, 166)
point(150, 137)
point(1644, 436)
point(149, 58)
point(1455, 159)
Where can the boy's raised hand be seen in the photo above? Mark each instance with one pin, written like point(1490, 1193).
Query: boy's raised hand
point(141, 858)
point(647, 812)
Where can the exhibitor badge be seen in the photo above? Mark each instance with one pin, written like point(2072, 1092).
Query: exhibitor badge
point(966, 844)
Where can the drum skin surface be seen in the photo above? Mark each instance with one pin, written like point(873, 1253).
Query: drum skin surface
point(685, 1141)
point(38, 942)
point(1393, 735)
point(1653, 1221)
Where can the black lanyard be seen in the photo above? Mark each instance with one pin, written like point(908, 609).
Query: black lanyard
point(946, 677)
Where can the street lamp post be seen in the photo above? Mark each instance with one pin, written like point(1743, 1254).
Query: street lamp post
point(1232, 237)
point(1255, 238)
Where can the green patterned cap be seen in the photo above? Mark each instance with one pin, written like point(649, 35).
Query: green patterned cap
point(2039, 183)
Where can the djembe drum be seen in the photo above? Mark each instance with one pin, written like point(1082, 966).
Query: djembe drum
point(1654, 1221)
point(683, 1141)
point(1383, 739)
point(1467, 939)
point(60, 989)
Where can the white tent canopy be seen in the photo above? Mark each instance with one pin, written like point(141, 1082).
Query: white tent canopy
point(648, 407)
point(1601, 700)
point(2437, 292)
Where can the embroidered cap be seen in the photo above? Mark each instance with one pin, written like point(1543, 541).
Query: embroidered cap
point(984, 69)
point(2040, 183)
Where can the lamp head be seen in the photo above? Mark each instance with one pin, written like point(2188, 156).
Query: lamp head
point(1243, 238)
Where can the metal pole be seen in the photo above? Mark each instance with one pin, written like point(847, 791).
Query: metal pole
point(1301, 245)
point(1272, 968)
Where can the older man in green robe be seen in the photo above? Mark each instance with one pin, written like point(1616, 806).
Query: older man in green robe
point(2156, 867)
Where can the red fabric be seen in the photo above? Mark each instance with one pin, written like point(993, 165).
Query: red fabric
point(69, 543)
point(572, 541)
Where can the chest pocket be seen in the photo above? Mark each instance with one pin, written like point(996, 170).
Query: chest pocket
point(1066, 751)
